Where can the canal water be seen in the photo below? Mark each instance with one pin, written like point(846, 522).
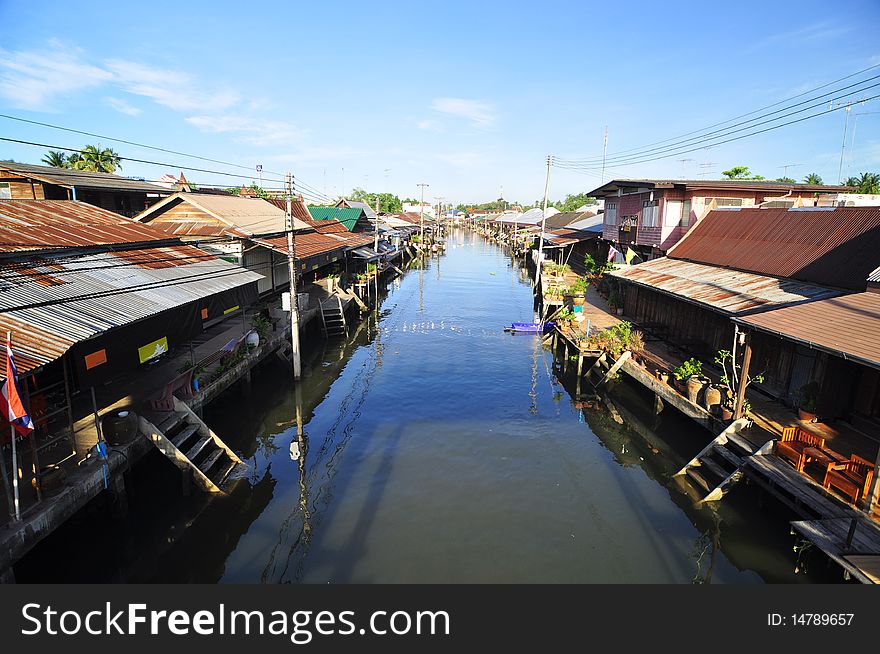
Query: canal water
point(434, 447)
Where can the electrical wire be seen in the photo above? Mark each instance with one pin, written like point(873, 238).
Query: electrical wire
point(737, 138)
point(701, 133)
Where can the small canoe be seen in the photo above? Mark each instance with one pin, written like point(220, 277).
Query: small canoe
point(530, 327)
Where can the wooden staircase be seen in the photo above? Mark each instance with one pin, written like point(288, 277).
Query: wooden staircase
point(191, 446)
point(333, 317)
point(718, 466)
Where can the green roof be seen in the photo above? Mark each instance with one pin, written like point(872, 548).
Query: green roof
point(345, 215)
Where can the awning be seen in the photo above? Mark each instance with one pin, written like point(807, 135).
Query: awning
point(366, 254)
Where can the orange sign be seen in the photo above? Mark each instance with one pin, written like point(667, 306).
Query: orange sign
point(96, 359)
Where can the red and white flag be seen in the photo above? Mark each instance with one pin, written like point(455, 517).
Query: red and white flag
point(11, 404)
point(612, 252)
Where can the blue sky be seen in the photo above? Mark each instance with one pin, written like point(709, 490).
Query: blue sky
point(465, 96)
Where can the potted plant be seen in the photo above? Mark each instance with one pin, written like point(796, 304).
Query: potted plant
point(807, 401)
point(687, 375)
point(579, 288)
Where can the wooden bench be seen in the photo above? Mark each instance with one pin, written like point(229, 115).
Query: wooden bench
point(852, 478)
point(793, 443)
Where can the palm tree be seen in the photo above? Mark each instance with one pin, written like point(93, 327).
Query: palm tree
point(95, 159)
point(814, 179)
point(851, 181)
point(869, 183)
point(56, 159)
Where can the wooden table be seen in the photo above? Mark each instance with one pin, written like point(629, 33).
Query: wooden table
point(824, 457)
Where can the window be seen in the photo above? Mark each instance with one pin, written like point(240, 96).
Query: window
point(649, 213)
point(672, 215)
point(5, 191)
point(685, 214)
point(726, 202)
point(610, 213)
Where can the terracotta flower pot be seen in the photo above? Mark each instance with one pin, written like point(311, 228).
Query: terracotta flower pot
point(726, 413)
point(712, 400)
point(806, 416)
point(693, 386)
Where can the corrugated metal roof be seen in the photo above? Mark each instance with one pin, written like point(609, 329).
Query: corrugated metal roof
point(32, 346)
point(98, 292)
point(346, 215)
point(306, 245)
point(82, 179)
point(328, 226)
point(298, 207)
point(874, 276)
point(369, 212)
point(847, 326)
point(566, 218)
point(28, 225)
point(724, 290)
point(246, 215)
point(569, 236)
point(835, 247)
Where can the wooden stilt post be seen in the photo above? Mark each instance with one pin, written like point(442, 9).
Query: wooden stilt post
point(874, 491)
point(743, 379)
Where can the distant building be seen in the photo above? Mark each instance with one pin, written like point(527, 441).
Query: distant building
point(120, 195)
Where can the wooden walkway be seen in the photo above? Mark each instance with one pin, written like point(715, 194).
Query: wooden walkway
point(858, 554)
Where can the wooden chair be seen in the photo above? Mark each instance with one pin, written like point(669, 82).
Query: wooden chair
point(165, 400)
point(852, 478)
point(793, 443)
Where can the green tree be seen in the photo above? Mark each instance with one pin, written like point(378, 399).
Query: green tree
point(741, 172)
point(96, 159)
point(55, 158)
point(253, 188)
point(869, 183)
point(388, 202)
point(786, 180)
point(573, 202)
point(851, 181)
point(813, 178)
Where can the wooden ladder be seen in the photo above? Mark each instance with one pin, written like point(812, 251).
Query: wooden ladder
point(333, 318)
point(191, 446)
point(718, 466)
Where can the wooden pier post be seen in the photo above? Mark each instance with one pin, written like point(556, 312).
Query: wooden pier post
point(658, 404)
point(743, 379)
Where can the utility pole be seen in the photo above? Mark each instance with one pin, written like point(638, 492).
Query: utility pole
point(422, 215)
point(291, 264)
point(843, 143)
point(543, 223)
point(260, 174)
point(376, 246)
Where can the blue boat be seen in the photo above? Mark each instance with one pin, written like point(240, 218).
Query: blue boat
point(530, 327)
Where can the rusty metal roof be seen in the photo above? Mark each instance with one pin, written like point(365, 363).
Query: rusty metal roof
point(243, 215)
point(29, 225)
point(32, 345)
point(298, 207)
point(721, 289)
point(832, 246)
point(306, 245)
point(55, 302)
point(847, 326)
point(82, 179)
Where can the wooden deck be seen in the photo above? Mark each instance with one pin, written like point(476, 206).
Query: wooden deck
point(861, 558)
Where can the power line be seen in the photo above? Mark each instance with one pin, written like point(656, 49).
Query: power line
point(737, 138)
point(637, 151)
point(134, 143)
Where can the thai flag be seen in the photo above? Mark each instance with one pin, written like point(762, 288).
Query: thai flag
point(10, 399)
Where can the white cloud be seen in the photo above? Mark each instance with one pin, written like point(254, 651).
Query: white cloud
point(481, 114)
point(250, 130)
point(123, 106)
point(462, 159)
point(37, 80)
point(429, 124)
point(170, 88)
